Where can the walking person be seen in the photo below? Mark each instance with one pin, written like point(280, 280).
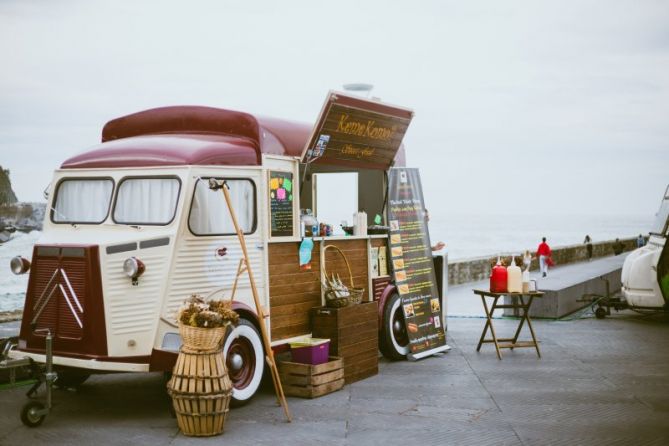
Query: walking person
point(527, 259)
point(640, 241)
point(588, 246)
point(544, 254)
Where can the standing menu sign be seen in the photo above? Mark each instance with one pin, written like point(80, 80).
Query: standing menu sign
point(281, 203)
point(411, 257)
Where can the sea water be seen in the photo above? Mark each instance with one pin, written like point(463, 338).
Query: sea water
point(13, 287)
point(465, 235)
point(475, 235)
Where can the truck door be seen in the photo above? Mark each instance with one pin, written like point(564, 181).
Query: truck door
point(208, 252)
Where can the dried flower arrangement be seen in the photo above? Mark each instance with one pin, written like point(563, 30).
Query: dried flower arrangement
point(196, 312)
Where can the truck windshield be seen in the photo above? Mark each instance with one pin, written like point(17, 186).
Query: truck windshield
point(662, 217)
point(82, 200)
point(146, 201)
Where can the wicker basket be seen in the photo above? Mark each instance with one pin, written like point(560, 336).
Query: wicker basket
point(201, 391)
point(197, 338)
point(353, 296)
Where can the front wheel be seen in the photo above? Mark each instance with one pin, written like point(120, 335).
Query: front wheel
point(245, 360)
point(32, 414)
point(394, 340)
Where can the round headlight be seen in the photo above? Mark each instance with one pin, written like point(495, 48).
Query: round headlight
point(133, 267)
point(19, 265)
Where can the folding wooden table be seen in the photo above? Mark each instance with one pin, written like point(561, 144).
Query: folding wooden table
point(517, 303)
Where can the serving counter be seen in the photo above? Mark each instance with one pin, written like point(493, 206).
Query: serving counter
point(295, 291)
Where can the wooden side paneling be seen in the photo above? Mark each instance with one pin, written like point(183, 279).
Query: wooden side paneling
point(357, 255)
point(293, 292)
point(376, 242)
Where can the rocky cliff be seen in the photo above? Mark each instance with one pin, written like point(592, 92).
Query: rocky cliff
point(7, 195)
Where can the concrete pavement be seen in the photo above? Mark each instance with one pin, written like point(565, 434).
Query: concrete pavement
point(598, 382)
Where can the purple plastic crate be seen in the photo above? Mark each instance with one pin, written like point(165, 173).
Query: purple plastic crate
point(312, 354)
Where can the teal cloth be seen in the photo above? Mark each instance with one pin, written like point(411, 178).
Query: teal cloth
point(305, 250)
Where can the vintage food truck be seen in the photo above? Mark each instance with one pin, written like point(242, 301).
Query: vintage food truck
point(133, 229)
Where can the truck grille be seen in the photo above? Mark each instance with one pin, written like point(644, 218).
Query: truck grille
point(65, 297)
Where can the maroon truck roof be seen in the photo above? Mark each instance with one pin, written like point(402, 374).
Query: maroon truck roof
point(193, 135)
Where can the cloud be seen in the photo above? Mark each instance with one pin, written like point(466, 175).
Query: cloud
point(504, 93)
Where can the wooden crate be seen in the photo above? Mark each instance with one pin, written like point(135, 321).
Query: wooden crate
point(311, 381)
point(353, 334)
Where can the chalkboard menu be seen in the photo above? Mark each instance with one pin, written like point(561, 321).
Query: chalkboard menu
point(281, 203)
point(355, 132)
point(413, 268)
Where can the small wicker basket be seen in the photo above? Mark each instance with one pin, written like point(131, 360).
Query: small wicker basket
point(197, 338)
point(337, 298)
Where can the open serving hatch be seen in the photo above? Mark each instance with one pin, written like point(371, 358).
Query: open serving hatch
point(356, 132)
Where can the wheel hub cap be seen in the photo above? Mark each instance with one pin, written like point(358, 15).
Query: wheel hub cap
point(236, 362)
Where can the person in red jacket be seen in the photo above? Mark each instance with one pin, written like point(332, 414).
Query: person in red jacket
point(544, 254)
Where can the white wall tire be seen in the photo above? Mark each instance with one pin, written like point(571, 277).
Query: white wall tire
point(245, 359)
point(394, 342)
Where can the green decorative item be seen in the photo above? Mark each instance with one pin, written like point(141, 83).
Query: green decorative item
point(377, 219)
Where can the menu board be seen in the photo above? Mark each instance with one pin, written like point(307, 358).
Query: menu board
point(356, 132)
point(281, 203)
point(413, 268)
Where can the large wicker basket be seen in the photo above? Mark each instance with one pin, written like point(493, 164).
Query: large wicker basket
point(197, 338)
point(201, 391)
point(336, 298)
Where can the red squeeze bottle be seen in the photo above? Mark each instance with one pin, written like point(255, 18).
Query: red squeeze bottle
point(498, 278)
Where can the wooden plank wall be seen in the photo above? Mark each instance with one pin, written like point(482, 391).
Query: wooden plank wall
point(357, 255)
point(292, 292)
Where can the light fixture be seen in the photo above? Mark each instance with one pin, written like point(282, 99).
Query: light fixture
point(133, 268)
point(19, 265)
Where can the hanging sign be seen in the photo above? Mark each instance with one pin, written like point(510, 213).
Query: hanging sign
point(281, 203)
point(413, 268)
point(356, 132)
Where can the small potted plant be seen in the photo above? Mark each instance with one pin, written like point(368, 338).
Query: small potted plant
point(202, 324)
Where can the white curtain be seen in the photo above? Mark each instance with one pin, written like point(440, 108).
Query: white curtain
point(146, 201)
point(210, 215)
point(83, 201)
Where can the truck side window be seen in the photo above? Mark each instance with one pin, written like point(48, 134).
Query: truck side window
point(209, 213)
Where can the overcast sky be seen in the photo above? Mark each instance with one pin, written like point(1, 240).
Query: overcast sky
point(552, 107)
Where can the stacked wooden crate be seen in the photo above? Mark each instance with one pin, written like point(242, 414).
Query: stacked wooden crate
point(311, 381)
point(353, 332)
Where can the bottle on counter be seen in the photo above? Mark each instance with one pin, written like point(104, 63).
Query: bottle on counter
point(498, 278)
point(360, 226)
point(526, 281)
point(309, 222)
point(514, 277)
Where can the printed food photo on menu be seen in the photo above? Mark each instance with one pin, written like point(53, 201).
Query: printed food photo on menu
point(395, 239)
point(397, 251)
point(408, 310)
point(398, 263)
point(403, 289)
point(400, 275)
point(434, 303)
point(394, 225)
